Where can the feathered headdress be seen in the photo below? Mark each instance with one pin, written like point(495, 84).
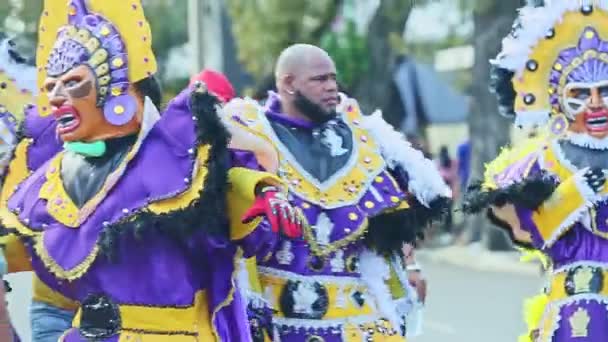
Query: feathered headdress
point(552, 43)
point(113, 38)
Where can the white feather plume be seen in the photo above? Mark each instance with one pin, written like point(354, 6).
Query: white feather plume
point(535, 23)
point(23, 74)
point(425, 182)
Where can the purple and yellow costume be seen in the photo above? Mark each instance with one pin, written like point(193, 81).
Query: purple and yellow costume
point(151, 256)
point(15, 93)
point(552, 48)
point(364, 191)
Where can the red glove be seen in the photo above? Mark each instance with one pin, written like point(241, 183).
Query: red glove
point(281, 215)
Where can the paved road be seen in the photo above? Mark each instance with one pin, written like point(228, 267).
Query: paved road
point(474, 306)
point(464, 305)
point(18, 303)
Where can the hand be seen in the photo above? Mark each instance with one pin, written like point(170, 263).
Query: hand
point(408, 252)
point(596, 179)
point(281, 215)
point(419, 283)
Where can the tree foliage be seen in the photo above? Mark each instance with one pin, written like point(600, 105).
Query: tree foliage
point(375, 85)
point(167, 20)
point(262, 28)
point(168, 24)
point(349, 51)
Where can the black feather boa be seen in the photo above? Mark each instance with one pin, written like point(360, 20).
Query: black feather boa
point(529, 193)
point(207, 213)
point(388, 232)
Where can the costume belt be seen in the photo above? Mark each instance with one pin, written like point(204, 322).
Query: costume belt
point(317, 299)
point(100, 318)
point(579, 279)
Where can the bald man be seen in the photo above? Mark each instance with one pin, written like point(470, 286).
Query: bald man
point(364, 193)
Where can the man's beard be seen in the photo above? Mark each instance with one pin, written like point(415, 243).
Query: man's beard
point(313, 111)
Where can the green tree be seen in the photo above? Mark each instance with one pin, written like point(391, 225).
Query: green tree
point(27, 13)
point(263, 28)
point(349, 51)
point(168, 24)
point(166, 17)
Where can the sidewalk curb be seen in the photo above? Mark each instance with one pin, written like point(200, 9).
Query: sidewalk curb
point(482, 260)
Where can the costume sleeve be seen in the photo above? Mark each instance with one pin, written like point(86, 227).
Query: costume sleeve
point(36, 145)
point(559, 213)
point(255, 237)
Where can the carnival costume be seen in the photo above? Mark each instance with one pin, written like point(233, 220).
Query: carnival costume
point(141, 230)
point(364, 192)
point(549, 192)
point(17, 83)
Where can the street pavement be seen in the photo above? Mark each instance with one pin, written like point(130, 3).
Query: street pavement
point(465, 304)
point(18, 303)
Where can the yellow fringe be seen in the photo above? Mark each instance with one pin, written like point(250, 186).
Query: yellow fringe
point(528, 255)
point(534, 308)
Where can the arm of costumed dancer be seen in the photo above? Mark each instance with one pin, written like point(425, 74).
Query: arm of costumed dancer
point(250, 152)
point(256, 200)
point(34, 144)
point(427, 196)
point(28, 140)
point(257, 206)
point(519, 196)
point(535, 211)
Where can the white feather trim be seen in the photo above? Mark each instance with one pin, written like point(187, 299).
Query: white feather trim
point(318, 325)
point(531, 119)
point(23, 74)
point(587, 141)
point(375, 272)
point(242, 277)
point(575, 216)
point(535, 23)
point(244, 285)
point(425, 182)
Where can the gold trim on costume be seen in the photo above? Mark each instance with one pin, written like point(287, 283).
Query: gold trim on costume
point(59, 204)
point(58, 270)
point(139, 321)
point(325, 250)
point(230, 297)
point(13, 98)
point(17, 173)
point(335, 310)
point(159, 207)
point(362, 168)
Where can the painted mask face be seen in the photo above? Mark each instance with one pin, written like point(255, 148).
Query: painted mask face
point(74, 97)
point(586, 105)
point(87, 79)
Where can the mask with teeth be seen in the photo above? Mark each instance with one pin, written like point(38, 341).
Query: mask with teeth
point(580, 76)
point(88, 77)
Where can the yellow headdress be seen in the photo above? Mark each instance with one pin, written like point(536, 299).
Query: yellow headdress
point(559, 42)
point(112, 37)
